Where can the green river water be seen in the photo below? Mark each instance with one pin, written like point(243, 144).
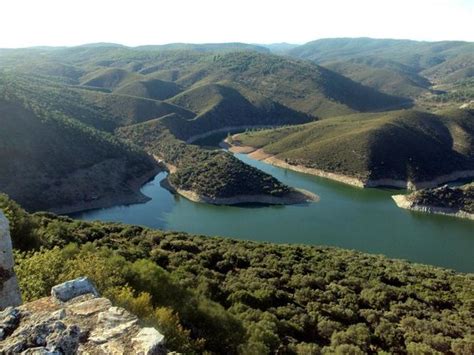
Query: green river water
point(361, 219)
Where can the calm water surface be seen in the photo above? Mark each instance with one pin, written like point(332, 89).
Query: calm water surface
point(361, 219)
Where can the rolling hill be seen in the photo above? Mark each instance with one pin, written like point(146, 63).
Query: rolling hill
point(220, 107)
point(299, 85)
point(395, 148)
point(398, 67)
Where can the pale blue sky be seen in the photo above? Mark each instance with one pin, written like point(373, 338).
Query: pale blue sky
point(136, 22)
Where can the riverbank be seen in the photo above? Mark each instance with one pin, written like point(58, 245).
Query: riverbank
point(261, 155)
point(296, 196)
point(114, 199)
point(404, 202)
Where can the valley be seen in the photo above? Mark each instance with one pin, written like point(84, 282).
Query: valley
point(123, 164)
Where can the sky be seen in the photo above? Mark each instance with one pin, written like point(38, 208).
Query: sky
point(26, 23)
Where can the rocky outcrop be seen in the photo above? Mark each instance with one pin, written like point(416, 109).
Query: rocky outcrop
point(74, 319)
point(9, 290)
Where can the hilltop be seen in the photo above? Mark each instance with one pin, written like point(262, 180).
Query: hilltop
point(400, 148)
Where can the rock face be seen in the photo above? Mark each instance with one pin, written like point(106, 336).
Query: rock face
point(83, 323)
point(9, 290)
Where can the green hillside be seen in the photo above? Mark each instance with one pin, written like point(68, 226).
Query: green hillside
point(108, 78)
point(50, 161)
point(402, 145)
point(415, 54)
point(218, 106)
point(398, 67)
point(299, 85)
point(214, 174)
point(211, 174)
point(239, 297)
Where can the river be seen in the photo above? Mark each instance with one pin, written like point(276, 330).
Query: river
point(361, 219)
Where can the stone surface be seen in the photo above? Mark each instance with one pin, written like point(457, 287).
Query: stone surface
point(71, 289)
point(148, 341)
point(84, 324)
point(9, 290)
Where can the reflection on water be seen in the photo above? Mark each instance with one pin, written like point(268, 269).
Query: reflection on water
point(362, 219)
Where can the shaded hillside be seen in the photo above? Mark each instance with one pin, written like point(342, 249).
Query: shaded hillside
point(218, 106)
point(230, 296)
point(49, 161)
point(400, 145)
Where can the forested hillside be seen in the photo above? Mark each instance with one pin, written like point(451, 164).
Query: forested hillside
point(229, 296)
point(179, 93)
point(399, 145)
point(398, 67)
point(50, 161)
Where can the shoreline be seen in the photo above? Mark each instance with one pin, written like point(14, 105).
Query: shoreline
point(261, 155)
point(297, 196)
point(403, 202)
point(135, 196)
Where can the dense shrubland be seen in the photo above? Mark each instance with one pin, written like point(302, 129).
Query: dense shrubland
point(229, 296)
point(457, 198)
point(211, 173)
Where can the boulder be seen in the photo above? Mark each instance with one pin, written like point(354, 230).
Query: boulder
point(85, 324)
point(74, 288)
point(149, 341)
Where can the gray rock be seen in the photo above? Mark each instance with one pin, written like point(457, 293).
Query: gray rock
point(74, 288)
point(149, 341)
point(115, 322)
point(9, 320)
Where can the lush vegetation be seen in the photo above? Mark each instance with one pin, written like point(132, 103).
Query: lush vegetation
point(211, 173)
point(455, 198)
point(406, 145)
point(299, 85)
point(227, 296)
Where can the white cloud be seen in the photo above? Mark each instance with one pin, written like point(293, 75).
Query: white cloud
point(61, 22)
